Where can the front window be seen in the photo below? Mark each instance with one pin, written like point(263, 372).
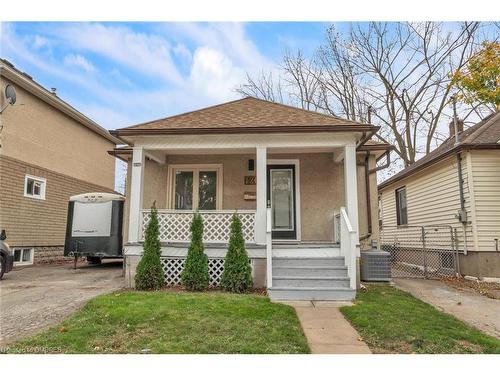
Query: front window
point(184, 190)
point(401, 206)
point(34, 187)
point(196, 187)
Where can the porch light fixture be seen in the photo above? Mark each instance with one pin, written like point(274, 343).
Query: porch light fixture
point(251, 164)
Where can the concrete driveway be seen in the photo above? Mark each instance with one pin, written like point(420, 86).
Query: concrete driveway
point(477, 310)
point(35, 298)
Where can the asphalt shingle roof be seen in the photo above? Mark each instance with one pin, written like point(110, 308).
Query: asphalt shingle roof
point(248, 112)
point(485, 132)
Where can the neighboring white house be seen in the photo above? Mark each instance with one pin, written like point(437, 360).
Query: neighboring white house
point(296, 178)
point(429, 192)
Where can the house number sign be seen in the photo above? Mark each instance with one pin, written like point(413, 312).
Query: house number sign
point(250, 180)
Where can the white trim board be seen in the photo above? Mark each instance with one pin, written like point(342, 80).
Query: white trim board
point(248, 142)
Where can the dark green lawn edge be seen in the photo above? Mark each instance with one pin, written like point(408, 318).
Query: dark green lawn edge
point(392, 321)
point(173, 322)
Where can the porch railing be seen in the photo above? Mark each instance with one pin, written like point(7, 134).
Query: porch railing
point(175, 224)
point(348, 246)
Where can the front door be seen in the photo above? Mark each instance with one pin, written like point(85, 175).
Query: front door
point(281, 198)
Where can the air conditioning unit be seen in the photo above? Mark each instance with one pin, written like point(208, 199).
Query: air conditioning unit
point(375, 265)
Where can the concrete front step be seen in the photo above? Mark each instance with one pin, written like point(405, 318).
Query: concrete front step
point(314, 271)
point(311, 282)
point(310, 294)
point(309, 262)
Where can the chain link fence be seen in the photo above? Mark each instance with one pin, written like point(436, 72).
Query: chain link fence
point(429, 251)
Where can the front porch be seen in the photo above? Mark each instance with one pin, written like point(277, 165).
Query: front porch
point(295, 176)
point(293, 203)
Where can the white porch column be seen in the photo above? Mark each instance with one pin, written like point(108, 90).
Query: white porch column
point(260, 214)
point(351, 186)
point(135, 194)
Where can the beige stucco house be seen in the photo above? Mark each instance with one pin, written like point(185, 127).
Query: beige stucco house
point(48, 152)
point(303, 183)
point(431, 192)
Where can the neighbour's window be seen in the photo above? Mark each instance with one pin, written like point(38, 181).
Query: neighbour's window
point(23, 256)
point(34, 187)
point(401, 207)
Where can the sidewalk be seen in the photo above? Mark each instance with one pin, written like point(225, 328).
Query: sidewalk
point(326, 329)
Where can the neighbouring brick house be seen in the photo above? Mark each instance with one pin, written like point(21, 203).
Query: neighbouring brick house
point(48, 152)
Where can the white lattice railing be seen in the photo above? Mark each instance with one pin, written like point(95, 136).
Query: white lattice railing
point(175, 224)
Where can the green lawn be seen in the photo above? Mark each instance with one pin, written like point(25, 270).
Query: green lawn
point(392, 321)
point(169, 322)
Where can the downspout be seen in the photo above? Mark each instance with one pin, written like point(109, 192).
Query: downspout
point(368, 172)
point(368, 193)
point(462, 214)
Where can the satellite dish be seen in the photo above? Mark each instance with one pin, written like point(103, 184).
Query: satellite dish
point(10, 94)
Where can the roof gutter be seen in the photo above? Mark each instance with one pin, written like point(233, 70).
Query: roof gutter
point(249, 130)
point(367, 135)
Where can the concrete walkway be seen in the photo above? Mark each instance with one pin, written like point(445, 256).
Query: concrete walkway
point(326, 329)
point(477, 310)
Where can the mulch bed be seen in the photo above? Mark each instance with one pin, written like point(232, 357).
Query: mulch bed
point(178, 288)
point(488, 289)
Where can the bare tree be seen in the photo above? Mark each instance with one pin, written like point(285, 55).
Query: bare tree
point(408, 70)
point(264, 86)
point(401, 70)
point(301, 78)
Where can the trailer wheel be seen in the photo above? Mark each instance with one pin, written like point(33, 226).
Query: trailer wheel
point(2, 266)
point(94, 260)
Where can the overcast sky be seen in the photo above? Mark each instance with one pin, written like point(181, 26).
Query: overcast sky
point(119, 74)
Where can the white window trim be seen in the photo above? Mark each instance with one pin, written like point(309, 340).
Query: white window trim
point(42, 187)
point(25, 263)
point(172, 168)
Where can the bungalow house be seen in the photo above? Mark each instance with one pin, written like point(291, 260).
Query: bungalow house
point(457, 185)
point(303, 184)
point(49, 151)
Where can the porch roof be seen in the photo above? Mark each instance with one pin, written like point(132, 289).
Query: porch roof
point(243, 116)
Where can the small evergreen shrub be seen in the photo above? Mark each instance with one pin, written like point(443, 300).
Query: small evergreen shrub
point(149, 275)
point(237, 274)
point(195, 274)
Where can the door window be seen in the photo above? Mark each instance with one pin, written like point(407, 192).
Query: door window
point(282, 199)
